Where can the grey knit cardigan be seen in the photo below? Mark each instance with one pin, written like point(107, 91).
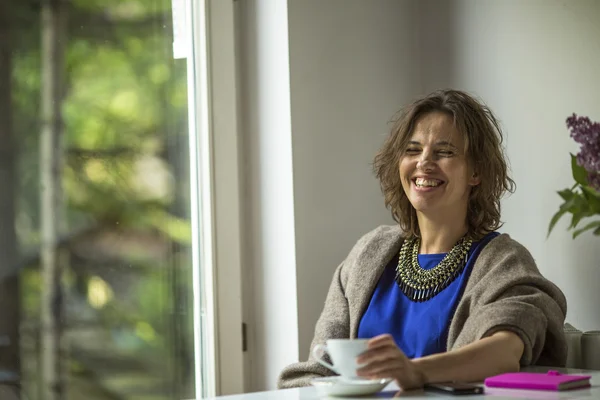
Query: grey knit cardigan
point(505, 291)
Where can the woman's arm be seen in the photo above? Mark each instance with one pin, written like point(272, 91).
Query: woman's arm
point(486, 357)
point(492, 355)
point(506, 291)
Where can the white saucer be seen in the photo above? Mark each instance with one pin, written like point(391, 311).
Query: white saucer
point(337, 386)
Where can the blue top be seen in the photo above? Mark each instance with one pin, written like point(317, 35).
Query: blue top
point(419, 329)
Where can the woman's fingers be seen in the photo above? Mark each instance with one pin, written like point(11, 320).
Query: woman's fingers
point(379, 367)
point(381, 340)
point(380, 348)
point(379, 354)
point(384, 359)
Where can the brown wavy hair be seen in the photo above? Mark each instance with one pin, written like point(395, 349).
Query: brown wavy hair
point(484, 152)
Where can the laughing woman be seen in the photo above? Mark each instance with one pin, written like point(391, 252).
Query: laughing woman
point(441, 295)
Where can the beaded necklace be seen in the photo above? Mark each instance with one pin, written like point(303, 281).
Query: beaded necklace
point(420, 284)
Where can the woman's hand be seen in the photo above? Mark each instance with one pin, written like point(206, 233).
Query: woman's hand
point(384, 359)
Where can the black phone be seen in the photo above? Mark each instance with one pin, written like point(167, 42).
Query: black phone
point(455, 388)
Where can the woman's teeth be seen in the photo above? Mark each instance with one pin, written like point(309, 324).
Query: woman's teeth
point(427, 182)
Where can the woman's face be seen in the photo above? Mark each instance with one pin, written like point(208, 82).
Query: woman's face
point(434, 170)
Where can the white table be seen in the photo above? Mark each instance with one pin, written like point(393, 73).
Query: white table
point(310, 393)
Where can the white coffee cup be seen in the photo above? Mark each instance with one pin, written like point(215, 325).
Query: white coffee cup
point(343, 353)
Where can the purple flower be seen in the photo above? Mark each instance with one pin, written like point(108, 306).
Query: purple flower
point(587, 133)
point(594, 180)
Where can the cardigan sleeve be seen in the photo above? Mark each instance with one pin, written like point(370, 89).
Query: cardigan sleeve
point(334, 322)
point(506, 291)
point(349, 294)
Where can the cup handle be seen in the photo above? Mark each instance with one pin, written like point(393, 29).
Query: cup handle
point(318, 351)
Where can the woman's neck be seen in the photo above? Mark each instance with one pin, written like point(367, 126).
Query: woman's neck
point(440, 236)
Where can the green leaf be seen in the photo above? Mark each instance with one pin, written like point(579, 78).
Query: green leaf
point(593, 198)
point(575, 204)
point(577, 217)
point(555, 219)
point(569, 204)
point(591, 191)
point(580, 205)
point(566, 194)
point(591, 225)
point(597, 231)
point(579, 173)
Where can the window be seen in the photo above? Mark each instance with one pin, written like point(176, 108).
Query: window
point(107, 214)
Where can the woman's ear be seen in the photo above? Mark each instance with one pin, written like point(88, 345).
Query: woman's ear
point(474, 180)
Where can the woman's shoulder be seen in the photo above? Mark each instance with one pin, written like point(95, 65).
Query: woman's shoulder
point(503, 245)
point(506, 266)
point(507, 253)
point(373, 250)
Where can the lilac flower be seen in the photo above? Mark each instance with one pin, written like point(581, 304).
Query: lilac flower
point(587, 133)
point(594, 180)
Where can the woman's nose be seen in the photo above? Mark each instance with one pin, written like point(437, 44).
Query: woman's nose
point(425, 163)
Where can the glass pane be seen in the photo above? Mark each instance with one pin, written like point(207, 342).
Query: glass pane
point(94, 201)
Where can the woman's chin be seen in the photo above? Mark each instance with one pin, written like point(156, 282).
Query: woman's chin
point(424, 205)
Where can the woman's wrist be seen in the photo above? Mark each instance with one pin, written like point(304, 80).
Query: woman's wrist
point(421, 366)
point(424, 379)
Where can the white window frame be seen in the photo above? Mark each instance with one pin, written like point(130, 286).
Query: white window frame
point(216, 215)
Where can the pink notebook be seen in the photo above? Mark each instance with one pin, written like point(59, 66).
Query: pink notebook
point(553, 380)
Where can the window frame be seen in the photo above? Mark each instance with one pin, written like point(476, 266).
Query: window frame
point(213, 92)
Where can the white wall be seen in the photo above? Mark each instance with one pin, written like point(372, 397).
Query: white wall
point(350, 70)
point(534, 62)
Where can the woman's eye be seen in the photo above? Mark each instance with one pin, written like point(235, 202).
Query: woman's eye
point(445, 153)
point(412, 150)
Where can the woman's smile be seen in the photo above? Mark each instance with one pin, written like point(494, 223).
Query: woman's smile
point(425, 185)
